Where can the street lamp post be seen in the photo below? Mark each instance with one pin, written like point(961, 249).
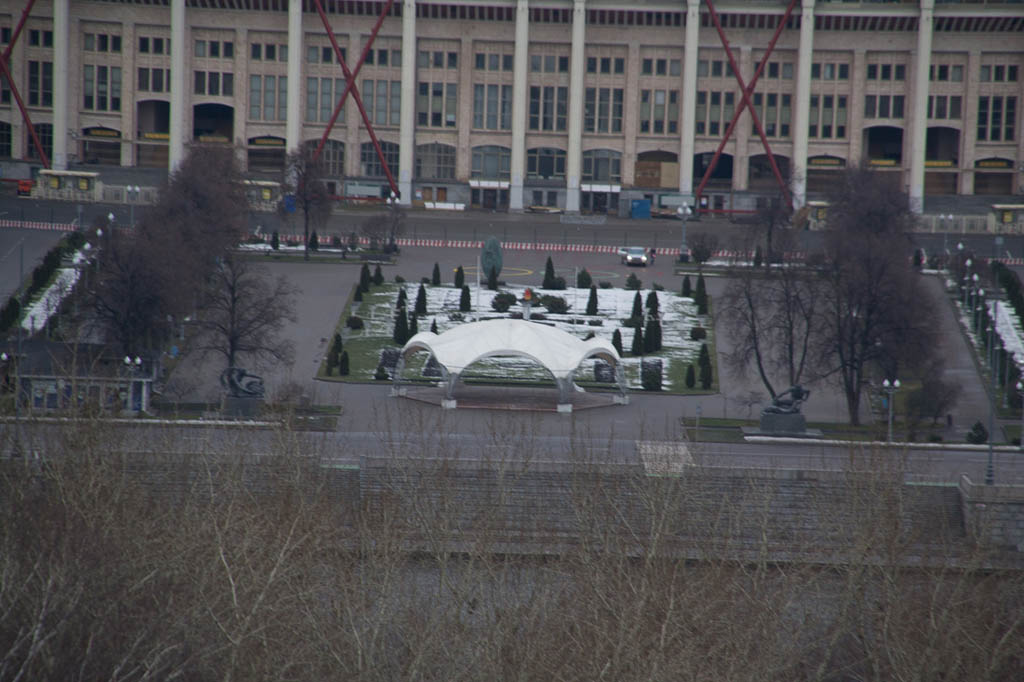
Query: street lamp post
point(890, 387)
point(132, 367)
point(683, 212)
point(989, 468)
point(6, 357)
point(131, 193)
point(948, 218)
point(1020, 390)
point(979, 303)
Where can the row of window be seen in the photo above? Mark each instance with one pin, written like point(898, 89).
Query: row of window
point(774, 110)
point(437, 104)
point(549, 108)
point(658, 67)
point(101, 42)
point(382, 101)
point(944, 107)
point(154, 45)
point(38, 38)
point(322, 95)
point(438, 59)
point(659, 111)
point(997, 118)
point(270, 52)
point(154, 80)
point(434, 161)
point(549, 63)
point(268, 98)
point(609, 64)
point(827, 121)
point(323, 54)
point(216, 49)
point(946, 72)
point(999, 73)
point(830, 71)
point(887, 72)
point(213, 83)
point(883, 106)
point(101, 88)
point(602, 110)
point(492, 107)
point(484, 62)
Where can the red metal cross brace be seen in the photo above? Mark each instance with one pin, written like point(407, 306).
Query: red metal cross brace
point(350, 86)
point(6, 71)
point(745, 92)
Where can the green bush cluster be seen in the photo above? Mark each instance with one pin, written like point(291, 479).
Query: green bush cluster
point(503, 301)
point(555, 305)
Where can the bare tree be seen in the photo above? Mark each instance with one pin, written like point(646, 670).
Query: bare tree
point(771, 318)
point(702, 247)
point(126, 297)
point(772, 225)
point(200, 215)
point(245, 313)
point(870, 301)
point(303, 179)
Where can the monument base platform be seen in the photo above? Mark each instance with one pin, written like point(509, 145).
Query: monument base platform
point(806, 433)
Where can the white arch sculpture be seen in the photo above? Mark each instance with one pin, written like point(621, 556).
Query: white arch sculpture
point(557, 351)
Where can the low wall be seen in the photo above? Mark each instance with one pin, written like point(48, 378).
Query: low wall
point(993, 514)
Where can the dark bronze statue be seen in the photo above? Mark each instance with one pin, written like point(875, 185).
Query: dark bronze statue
point(240, 384)
point(788, 402)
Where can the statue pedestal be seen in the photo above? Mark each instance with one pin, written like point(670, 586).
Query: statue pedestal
point(783, 423)
point(244, 407)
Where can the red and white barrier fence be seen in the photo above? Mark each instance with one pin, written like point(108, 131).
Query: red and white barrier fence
point(38, 225)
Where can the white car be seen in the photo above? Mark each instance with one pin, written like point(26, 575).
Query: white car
point(634, 255)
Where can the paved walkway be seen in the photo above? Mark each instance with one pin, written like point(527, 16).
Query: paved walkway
point(961, 367)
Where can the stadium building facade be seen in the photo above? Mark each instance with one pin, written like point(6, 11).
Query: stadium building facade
point(581, 105)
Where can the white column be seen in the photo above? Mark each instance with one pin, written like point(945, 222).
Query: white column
point(407, 130)
point(296, 53)
point(574, 157)
point(802, 105)
point(919, 108)
point(519, 96)
point(690, 56)
point(61, 37)
point(176, 152)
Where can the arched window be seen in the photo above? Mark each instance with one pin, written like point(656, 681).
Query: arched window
point(491, 162)
point(371, 165)
point(435, 161)
point(545, 163)
point(602, 165)
point(332, 156)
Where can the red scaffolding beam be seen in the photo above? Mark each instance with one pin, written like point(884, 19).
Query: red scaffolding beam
point(350, 86)
point(745, 91)
point(6, 71)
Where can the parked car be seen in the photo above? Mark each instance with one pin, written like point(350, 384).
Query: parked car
point(634, 255)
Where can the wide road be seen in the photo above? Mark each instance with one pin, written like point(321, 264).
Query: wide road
point(665, 235)
point(509, 441)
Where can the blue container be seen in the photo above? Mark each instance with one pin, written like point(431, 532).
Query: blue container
point(640, 209)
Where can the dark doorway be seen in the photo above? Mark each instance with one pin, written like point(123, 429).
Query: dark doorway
point(884, 145)
point(213, 123)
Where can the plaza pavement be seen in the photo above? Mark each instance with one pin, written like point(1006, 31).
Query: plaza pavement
point(324, 287)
